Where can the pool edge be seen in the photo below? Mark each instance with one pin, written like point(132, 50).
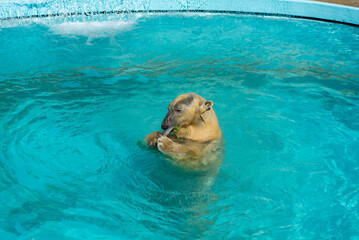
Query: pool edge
point(305, 9)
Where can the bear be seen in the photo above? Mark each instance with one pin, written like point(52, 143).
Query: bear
point(195, 140)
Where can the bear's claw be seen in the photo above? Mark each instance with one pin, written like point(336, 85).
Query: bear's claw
point(164, 144)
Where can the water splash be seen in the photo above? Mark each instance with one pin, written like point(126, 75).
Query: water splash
point(33, 8)
point(92, 30)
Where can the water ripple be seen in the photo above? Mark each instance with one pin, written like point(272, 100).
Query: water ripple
point(73, 114)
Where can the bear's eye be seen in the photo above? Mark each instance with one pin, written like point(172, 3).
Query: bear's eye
point(178, 110)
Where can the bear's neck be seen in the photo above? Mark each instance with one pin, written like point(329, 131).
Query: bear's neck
point(205, 129)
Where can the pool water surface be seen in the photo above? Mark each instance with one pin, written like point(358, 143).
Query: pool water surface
point(77, 95)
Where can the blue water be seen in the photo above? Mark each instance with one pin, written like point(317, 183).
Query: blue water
point(78, 95)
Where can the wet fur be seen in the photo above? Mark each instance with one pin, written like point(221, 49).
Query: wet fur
point(198, 143)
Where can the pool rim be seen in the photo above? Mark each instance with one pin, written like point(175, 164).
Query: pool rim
point(234, 12)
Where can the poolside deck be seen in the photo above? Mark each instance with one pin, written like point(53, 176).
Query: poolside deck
point(353, 3)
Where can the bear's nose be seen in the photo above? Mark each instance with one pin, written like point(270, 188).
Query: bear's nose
point(164, 126)
point(165, 123)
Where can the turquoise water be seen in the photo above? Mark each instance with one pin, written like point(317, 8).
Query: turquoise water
point(77, 95)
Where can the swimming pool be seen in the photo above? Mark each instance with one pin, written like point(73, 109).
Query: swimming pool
point(78, 95)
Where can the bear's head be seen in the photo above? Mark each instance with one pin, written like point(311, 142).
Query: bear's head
point(193, 116)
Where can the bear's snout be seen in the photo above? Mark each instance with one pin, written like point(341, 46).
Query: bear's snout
point(167, 121)
point(164, 126)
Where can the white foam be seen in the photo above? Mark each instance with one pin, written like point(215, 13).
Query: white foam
point(95, 29)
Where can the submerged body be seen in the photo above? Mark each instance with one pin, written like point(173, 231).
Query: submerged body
point(198, 141)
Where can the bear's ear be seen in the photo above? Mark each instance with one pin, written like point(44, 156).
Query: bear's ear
point(205, 106)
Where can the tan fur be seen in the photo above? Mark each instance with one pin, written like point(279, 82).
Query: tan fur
point(198, 142)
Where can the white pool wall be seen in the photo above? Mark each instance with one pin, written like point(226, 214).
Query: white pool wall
point(297, 8)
